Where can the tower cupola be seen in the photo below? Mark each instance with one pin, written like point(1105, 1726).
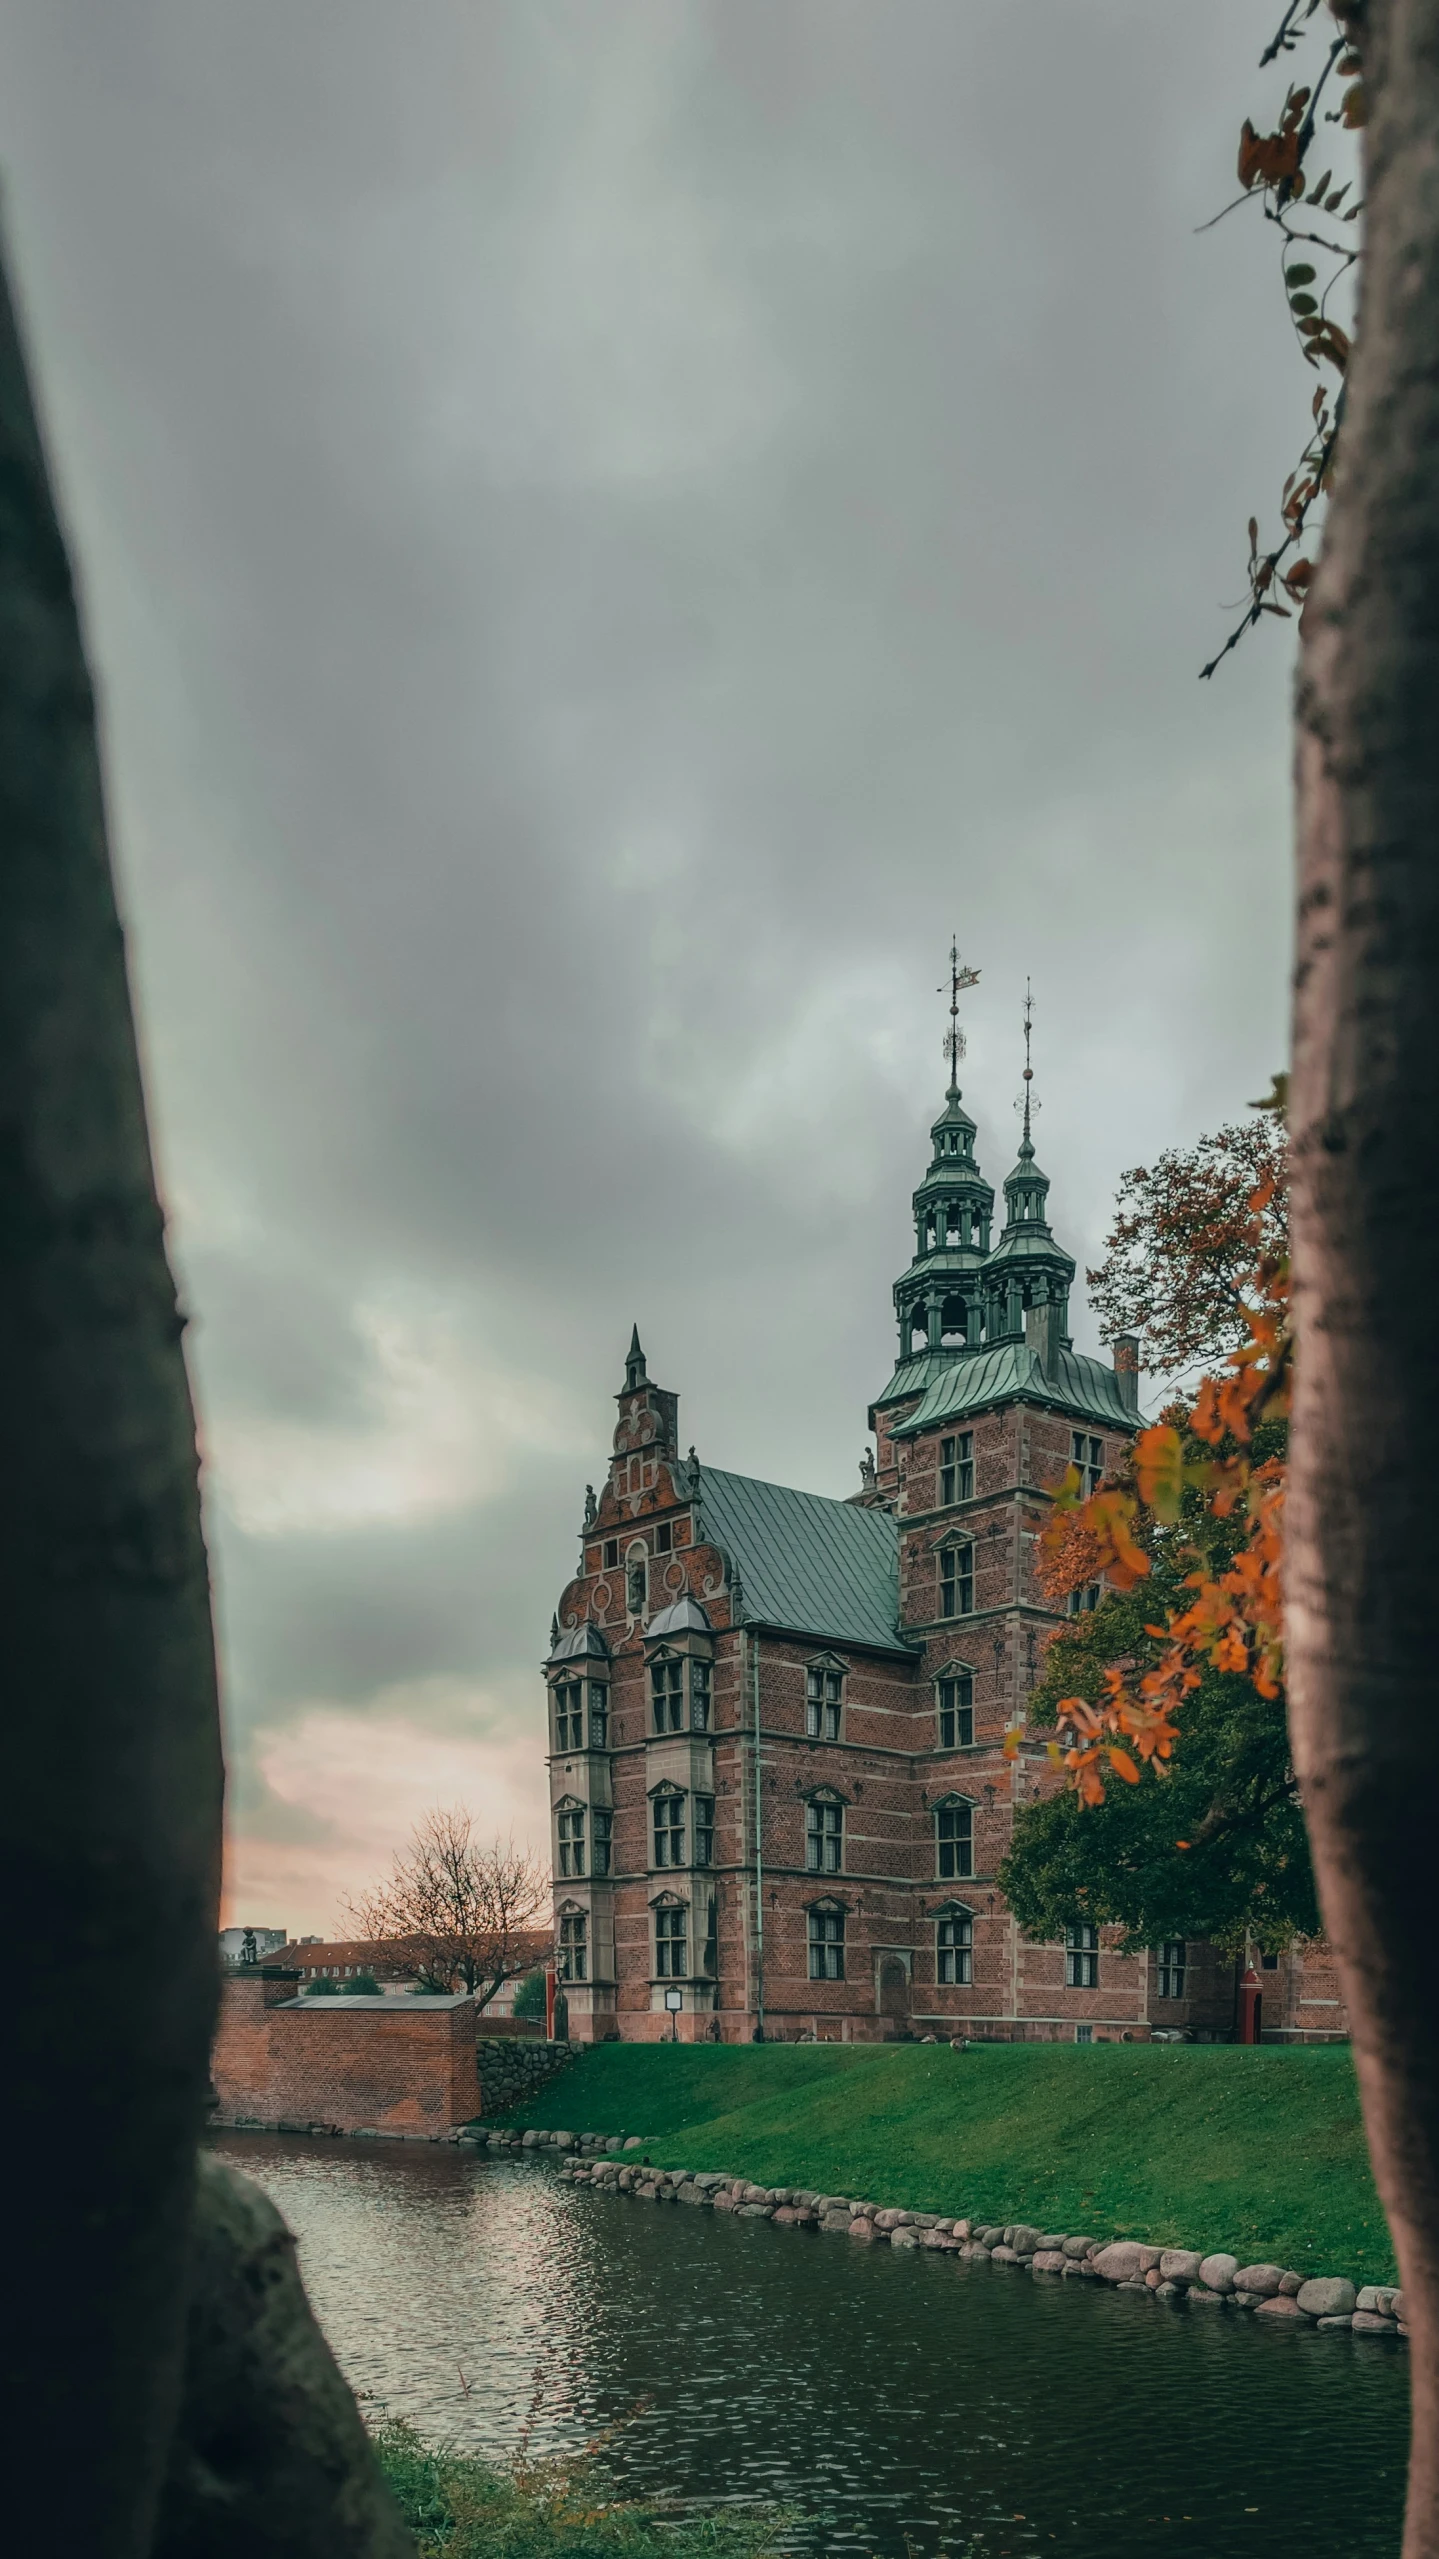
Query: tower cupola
point(938, 1301)
point(1029, 1276)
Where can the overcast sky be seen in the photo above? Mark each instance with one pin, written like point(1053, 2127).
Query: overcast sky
point(609, 529)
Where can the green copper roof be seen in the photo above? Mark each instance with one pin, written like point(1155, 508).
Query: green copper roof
point(913, 1376)
point(808, 1565)
point(1011, 1372)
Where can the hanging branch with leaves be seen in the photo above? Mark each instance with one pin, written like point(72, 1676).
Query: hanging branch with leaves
point(1277, 172)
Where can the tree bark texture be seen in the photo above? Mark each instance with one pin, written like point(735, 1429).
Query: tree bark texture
point(1363, 1525)
point(110, 1805)
point(270, 2455)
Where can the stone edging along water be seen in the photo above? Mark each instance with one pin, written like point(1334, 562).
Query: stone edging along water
point(1213, 2280)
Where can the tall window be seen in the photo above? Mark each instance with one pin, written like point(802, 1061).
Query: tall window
point(1088, 1455)
point(670, 1962)
point(667, 1692)
point(1081, 1957)
point(954, 1839)
point(664, 1537)
point(824, 1838)
point(569, 1715)
point(572, 1839)
point(956, 1582)
point(669, 1817)
point(1086, 1597)
point(704, 1830)
point(601, 1827)
point(956, 1469)
point(636, 1584)
point(574, 1947)
point(823, 1698)
point(599, 1713)
point(826, 1945)
point(1171, 1968)
point(710, 1960)
point(956, 1711)
point(612, 1553)
point(700, 1696)
point(954, 1947)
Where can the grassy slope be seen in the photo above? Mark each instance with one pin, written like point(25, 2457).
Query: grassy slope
point(1206, 2146)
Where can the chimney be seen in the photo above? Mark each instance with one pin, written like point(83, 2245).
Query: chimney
point(1126, 1370)
point(1044, 1333)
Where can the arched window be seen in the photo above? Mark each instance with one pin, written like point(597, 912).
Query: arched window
point(954, 1837)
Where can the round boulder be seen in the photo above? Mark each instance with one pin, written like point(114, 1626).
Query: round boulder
point(1327, 2297)
point(1217, 2273)
point(1179, 2265)
point(1265, 2280)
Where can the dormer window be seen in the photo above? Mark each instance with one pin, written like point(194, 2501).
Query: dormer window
point(823, 1701)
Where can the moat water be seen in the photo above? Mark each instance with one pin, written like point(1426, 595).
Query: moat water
point(894, 2402)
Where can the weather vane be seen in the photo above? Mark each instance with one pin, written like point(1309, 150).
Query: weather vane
point(1026, 1102)
point(959, 979)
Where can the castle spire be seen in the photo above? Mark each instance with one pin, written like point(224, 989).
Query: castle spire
point(1026, 1143)
point(960, 978)
point(635, 1371)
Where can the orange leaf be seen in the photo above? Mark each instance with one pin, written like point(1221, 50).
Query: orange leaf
point(1123, 1766)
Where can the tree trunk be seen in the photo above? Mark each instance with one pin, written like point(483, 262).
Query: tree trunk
point(110, 1828)
point(1362, 1536)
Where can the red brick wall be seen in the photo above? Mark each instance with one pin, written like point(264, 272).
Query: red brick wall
point(399, 2069)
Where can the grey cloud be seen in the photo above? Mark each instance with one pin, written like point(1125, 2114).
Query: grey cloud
point(607, 534)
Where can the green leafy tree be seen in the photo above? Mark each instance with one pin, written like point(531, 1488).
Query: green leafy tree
point(361, 1986)
point(1213, 1844)
point(530, 1997)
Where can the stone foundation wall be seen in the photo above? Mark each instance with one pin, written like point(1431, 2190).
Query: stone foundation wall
point(511, 2070)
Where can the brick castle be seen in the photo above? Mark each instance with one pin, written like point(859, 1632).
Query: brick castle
point(779, 1794)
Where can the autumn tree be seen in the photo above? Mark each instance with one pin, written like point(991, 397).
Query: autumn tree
point(1181, 1252)
point(454, 1911)
point(1216, 1850)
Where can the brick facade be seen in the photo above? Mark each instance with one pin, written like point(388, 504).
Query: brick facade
point(776, 1724)
point(342, 2065)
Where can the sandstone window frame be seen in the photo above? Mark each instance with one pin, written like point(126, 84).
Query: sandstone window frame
point(1086, 1453)
point(953, 1817)
point(667, 1691)
point(669, 1929)
point(954, 1712)
point(568, 1696)
point(956, 1469)
point(570, 1838)
point(669, 1826)
point(709, 1956)
point(956, 1578)
point(704, 1830)
point(826, 1677)
point(602, 1825)
point(825, 1935)
point(954, 1946)
point(572, 1944)
point(1081, 1956)
point(824, 1816)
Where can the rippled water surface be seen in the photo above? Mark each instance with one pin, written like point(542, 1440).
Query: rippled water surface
point(882, 2396)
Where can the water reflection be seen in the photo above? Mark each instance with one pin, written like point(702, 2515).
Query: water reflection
point(883, 2396)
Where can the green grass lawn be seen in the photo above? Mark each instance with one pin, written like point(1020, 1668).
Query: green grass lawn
point(1203, 2146)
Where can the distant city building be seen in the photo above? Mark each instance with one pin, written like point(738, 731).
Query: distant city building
point(779, 1793)
point(250, 1945)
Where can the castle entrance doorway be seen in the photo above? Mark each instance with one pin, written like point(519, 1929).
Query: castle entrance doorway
point(894, 1990)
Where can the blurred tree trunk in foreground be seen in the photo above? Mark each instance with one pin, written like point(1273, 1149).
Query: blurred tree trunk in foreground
point(110, 1847)
point(1361, 1539)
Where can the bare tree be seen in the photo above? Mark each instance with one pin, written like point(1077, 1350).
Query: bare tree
point(454, 1910)
point(1364, 1114)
